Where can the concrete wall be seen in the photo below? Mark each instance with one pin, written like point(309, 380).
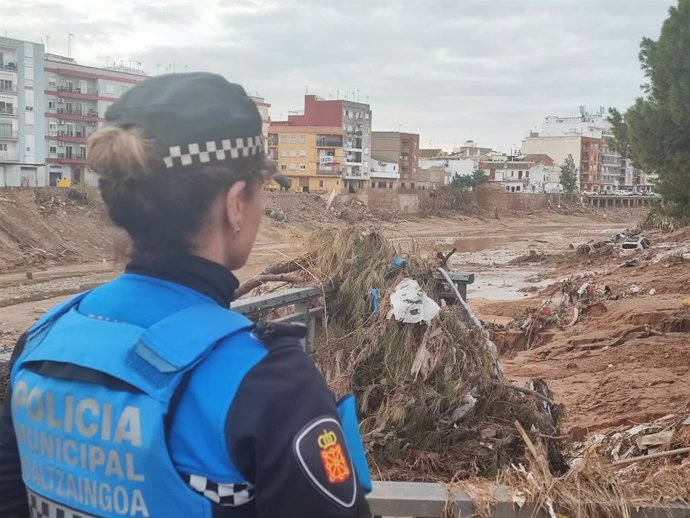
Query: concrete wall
point(492, 198)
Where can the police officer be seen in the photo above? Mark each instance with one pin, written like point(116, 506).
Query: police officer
point(147, 396)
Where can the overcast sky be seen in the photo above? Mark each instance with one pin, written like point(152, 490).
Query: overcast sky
point(450, 70)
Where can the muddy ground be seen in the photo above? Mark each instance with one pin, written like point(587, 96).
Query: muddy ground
point(627, 363)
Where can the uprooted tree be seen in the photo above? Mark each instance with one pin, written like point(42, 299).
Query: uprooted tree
point(658, 124)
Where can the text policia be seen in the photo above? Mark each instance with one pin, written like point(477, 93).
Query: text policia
point(61, 465)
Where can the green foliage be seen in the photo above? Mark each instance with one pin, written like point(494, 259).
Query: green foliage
point(658, 124)
point(620, 143)
point(568, 175)
point(465, 183)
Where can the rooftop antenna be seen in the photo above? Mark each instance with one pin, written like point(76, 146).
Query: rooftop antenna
point(185, 68)
point(48, 44)
point(357, 94)
point(69, 44)
point(337, 94)
point(306, 89)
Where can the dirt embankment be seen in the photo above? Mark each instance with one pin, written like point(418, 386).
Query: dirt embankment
point(48, 227)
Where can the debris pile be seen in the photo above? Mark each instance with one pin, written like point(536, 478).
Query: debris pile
point(432, 397)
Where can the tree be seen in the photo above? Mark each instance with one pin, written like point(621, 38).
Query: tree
point(620, 142)
point(658, 124)
point(465, 182)
point(569, 175)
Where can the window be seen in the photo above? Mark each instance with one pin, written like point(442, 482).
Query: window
point(382, 185)
point(320, 183)
point(5, 130)
point(28, 149)
point(110, 89)
point(302, 153)
point(52, 149)
point(6, 107)
point(293, 139)
point(29, 108)
point(293, 153)
point(52, 126)
point(517, 189)
point(402, 185)
point(283, 152)
point(412, 185)
point(303, 167)
point(3, 147)
point(51, 105)
point(5, 84)
point(52, 82)
point(283, 167)
point(507, 189)
point(302, 139)
point(373, 185)
point(293, 167)
point(366, 116)
point(283, 139)
point(390, 185)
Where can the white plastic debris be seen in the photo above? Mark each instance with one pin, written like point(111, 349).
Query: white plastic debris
point(468, 403)
point(519, 498)
point(635, 289)
point(411, 305)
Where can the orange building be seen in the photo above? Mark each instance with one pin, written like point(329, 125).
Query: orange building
point(311, 157)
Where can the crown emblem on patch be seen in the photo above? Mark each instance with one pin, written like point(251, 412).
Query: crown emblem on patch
point(327, 439)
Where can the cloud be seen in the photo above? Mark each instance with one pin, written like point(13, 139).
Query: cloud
point(447, 69)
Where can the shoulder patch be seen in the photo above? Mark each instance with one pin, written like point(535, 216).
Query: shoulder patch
point(322, 454)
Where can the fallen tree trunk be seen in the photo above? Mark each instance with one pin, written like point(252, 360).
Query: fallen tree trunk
point(260, 279)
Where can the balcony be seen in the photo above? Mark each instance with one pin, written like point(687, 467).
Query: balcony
point(328, 172)
point(62, 158)
point(9, 135)
point(326, 142)
point(66, 137)
point(11, 89)
point(8, 156)
point(4, 112)
point(10, 65)
point(73, 93)
point(74, 115)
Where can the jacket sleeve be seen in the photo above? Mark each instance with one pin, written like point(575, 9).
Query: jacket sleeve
point(281, 419)
point(13, 502)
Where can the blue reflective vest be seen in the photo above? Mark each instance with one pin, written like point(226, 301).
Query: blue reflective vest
point(97, 443)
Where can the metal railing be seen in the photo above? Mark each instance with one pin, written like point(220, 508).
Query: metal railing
point(328, 172)
point(329, 143)
point(430, 500)
point(10, 65)
point(298, 304)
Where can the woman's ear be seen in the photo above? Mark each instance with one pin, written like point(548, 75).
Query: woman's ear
point(235, 205)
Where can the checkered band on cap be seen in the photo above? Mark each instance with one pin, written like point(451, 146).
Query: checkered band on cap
point(213, 151)
point(226, 495)
point(40, 507)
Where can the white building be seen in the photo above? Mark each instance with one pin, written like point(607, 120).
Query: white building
point(384, 174)
point(77, 97)
point(22, 128)
point(263, 108)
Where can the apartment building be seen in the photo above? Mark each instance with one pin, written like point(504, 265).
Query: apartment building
point(22, 133)
point(76, 98)
point(263, 108)
point(401, 148)
point(354, 121)
point(311, 157)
